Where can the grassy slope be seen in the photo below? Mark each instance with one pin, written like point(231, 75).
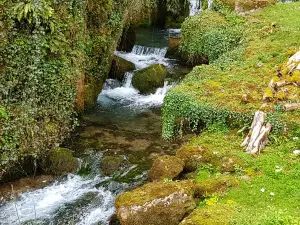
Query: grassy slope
point(276, 170)
point(269, 190)
point(221, 85)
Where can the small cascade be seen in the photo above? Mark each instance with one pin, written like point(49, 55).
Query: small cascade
point(144, 50)
point(195, 7)
point(210, 4)
point(144, 56)
point(127, 79)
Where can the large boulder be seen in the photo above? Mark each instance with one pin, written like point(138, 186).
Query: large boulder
point(119, 67)
point(165, 167)
point(157, 203)
point(61, 162)
point(149, 79)
point(110, 164)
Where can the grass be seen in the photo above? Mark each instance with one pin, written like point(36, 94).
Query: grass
point(271, 37)
point(269, 183)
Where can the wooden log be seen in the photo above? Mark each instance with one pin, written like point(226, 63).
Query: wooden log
point(256, 126)
point(281, 83)
point(258, 135)
point(262, 139)
point(291, 107)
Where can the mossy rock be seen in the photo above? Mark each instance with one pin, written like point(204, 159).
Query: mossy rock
point(165, 167)
point(156, 203)
point(231, 163)
point(194, 156)
point(119, 67)
point(216, 214)
point(61, 162)
point(149, 79)
point(110, 164)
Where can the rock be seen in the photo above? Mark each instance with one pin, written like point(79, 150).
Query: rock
point(119, 67)
point(165, 167)
point(156, 203)
point(61, 162)
point(149, 79)
point(110, 164)
point(194, 156)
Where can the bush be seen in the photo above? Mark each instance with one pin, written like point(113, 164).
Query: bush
point(209, 34)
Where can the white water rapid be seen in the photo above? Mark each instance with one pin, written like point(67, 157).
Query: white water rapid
point(142, 57)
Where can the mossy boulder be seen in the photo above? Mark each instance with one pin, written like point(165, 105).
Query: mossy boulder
point(61, 162)
point(119, 67)
point(194, 156)
point(156, 203)
point(165, 167)
point(149, 79)
point(110, 164)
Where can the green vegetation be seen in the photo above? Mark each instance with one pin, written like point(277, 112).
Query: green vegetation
point(209, 35)
point(212, 93)
point(54, 55)
point(268, 190)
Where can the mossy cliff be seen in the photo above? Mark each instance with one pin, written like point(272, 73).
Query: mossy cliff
point(54, 55)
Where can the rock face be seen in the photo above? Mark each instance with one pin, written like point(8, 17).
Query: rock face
point(165, 167)
point(194, 156)
point(111, 164)
point(119, 67)
point(156, 203)
point(62, 162)
point(149, 79)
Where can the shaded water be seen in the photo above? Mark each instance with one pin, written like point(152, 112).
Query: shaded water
point(124, 124)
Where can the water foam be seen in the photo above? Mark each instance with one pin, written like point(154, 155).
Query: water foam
point(43, 203)
point(143, 56)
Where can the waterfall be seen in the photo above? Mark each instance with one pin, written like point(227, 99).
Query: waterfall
point(144, 50)
point(195, 7)
point(210, 4)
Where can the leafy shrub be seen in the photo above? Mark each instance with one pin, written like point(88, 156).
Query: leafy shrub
point(209, 34)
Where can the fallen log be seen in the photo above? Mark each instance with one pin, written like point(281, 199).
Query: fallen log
point(291, 107)
point(258, 135)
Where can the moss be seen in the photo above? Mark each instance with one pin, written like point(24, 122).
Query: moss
point(194, 156)
point(61, 161)
point(165, 167)
point(156, 203)
point(217, 214)
point(149, 79)
point(152, 191)
point(215, 185)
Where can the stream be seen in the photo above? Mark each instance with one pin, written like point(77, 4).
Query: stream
point(124, 124)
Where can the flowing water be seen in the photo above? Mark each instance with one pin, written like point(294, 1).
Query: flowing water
point(125, 125)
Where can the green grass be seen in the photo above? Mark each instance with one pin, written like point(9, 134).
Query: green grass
point(276, 170)
point(271, 37)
